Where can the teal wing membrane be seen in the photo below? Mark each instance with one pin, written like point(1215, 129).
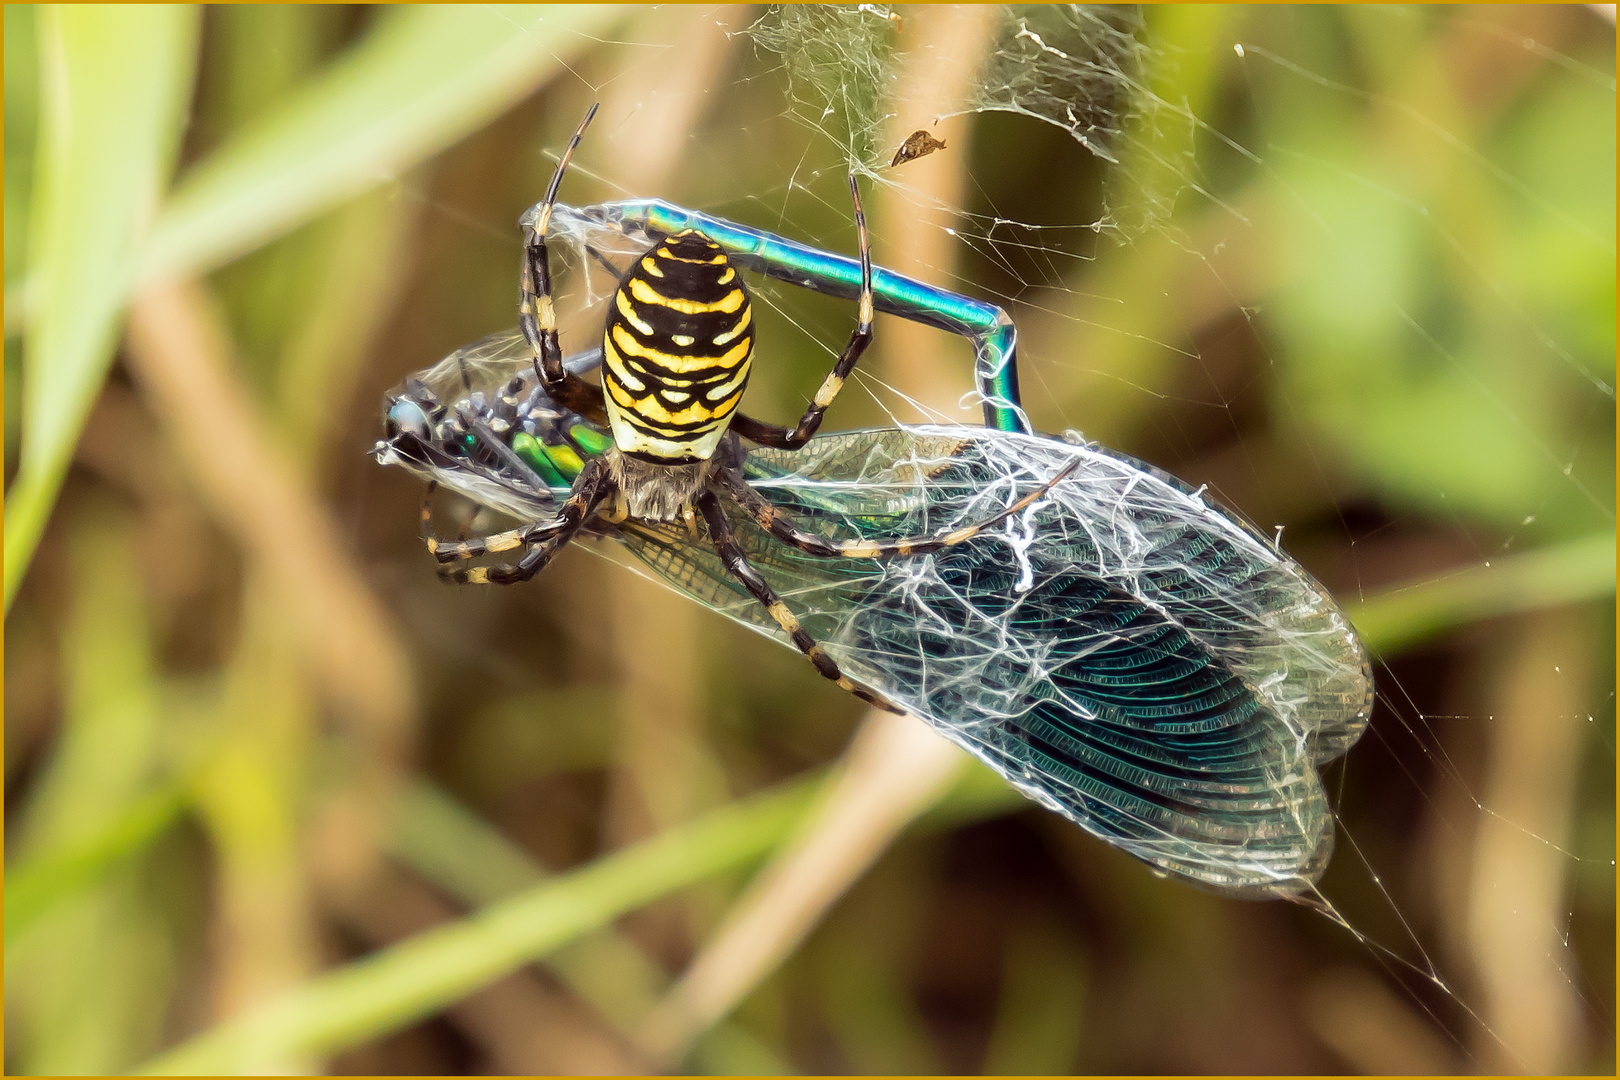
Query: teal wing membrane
point(1125, 653)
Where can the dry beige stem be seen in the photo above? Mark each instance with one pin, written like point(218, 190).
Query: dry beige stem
point(664, 771)
point(1517, 913)
point(250, 794)
point(1373, 1029)
point(181, 354)
point(895, 769)
point(944, 47)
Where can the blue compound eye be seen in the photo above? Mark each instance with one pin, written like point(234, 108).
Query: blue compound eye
point(406, 416)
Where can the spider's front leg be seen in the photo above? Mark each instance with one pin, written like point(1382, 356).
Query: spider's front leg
point(792, 439)
point(545, 538)
point(781, 525)
point(537, 313)
point(731, 553)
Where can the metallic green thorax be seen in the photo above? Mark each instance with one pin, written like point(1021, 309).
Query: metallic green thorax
point(559, 463)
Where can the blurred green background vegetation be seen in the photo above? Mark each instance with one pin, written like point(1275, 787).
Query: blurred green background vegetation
point(278, 799)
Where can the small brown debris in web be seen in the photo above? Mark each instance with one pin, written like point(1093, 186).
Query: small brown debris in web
point(918, 144)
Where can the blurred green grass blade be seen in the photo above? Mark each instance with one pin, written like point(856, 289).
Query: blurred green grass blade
point(40, 882)
point(424, 78)
point(1156, 147)
point(21, 76)
point(109, 744)
point(869, 1008)
point(461, 853)
point(421, 975)
point(464, 855)
point(89, 961)
point(1041, 1015)
point(1566, 573)
point(116, 84)
point(729, 1049)
point(357, 284)
point(452, 847)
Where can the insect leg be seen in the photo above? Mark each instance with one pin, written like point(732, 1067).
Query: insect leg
point(725, 542)
point(548, 537)
point(781, 525)
point(425, 531)
point(784, 438)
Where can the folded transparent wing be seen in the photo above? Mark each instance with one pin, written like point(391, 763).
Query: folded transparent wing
point(1125, 652)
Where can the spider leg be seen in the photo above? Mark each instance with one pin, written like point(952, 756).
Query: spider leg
point(453, 550)
point(494, 543)
point(731, 553)
point(604, 261)
point(547, 537)
point(792, 439)
point(537, 315)
point(780, 525)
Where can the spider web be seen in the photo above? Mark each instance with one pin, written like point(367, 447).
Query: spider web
point(1260, 265)
point(1507, 443)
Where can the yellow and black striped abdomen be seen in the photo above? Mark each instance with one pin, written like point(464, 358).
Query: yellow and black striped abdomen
point(678, 347)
